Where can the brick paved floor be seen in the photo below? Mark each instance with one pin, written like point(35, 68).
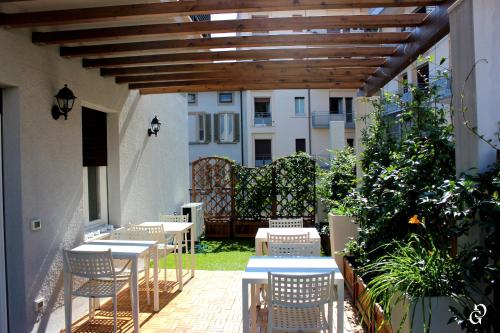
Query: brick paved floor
point(210, 302)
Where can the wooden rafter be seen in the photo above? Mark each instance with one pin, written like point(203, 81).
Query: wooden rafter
point(332, 52)
point(239, 41)
point(184, 8)
point(247, 86)
point(371, 63)
point(435, 27)
point(357, 73)
point(246, 25)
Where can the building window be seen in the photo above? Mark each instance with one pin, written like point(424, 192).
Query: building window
point(350, 143)
point(349, 115)
point(199, 128)
point(95, 160)
point(300, 145)
point(262, 107)
point(336, 105)
point(225, 98)
point(300, 106)
point(227, 127)
point(192, 98)
point(263, 152)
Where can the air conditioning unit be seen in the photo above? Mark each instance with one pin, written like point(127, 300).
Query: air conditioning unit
point(194, 210)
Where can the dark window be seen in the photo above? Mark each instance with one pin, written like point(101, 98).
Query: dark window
point(335, 105)
point(263, 152)
point(93, 194)
point(350, 142)
point(225, 98)
point(300, 145)
point(192, 98)
point(262, 108)
point(423, 76)
point(94, 137)
point(349, 115)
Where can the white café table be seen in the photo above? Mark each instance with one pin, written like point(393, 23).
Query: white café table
point(257, 271)
point(261, 237)
point(120, 249)
point(178, 229)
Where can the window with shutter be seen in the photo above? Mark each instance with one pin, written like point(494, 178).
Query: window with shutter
point(236, 127)
point(199, 128)
point(216, 128)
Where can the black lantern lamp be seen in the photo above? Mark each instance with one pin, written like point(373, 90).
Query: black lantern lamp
point(65, 100)
point(155, 126)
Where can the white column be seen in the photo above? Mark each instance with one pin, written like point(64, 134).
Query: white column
point(475, 62)
point(337, 135)
point(363, 107)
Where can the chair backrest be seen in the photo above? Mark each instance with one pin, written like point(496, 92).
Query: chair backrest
point(305, 290)
point(121, 234)
point(174, 218)
point(298, 238)
point(286, 223)
point(149, 233)
point(90, 265)
point(294, 249)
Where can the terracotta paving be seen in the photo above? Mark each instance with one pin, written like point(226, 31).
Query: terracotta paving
point(210, 302)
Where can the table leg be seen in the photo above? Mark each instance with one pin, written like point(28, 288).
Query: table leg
point(244, 306)
point(179, 259)
point(156, 301)
point(258, 248)
point(340, 306)
point(193, 257)
point(253, 307)
point(67, 299)
point(135, 293)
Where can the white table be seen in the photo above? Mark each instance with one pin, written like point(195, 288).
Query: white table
point(178, 229)
point(120, 249)
point(261, 237)
point(257, 271)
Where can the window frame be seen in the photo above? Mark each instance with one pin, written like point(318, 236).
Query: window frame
point(303, 114)
point(228, 118)
point(201, 117)
point(225, 93)
point(102, 197)
point(195, 102)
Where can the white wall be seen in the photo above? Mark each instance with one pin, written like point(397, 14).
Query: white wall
point(43, 164)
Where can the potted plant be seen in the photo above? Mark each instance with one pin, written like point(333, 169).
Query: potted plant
point(324, 233)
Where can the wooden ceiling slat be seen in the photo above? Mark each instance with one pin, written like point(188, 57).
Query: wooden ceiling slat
point(183, 8)
point(435, 27)
point(242, 55)
point(187, 84)
point(247, 25)
point(369, 63)
point(247, 86)
point(318, 73)
point(240, 41)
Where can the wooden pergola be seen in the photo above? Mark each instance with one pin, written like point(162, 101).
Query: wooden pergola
point(158, 57)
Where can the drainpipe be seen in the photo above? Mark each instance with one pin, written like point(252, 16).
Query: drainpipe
point(309, 118)
point(241, 129)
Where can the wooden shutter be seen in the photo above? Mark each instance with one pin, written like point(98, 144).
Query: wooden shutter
point(216, 128)
point(236, 127)
point(94, 137)
point(208, 128)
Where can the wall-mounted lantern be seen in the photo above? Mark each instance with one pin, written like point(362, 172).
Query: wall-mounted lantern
point(155, 126)
point(65, 100)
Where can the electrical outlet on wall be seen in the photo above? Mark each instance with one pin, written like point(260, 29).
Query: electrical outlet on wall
point(39, 304)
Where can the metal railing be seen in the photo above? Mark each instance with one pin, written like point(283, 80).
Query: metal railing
point(321, 119)
point(263, 119)
point(263, 159)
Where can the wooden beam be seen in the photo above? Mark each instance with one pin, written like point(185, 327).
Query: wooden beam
point(240, 41)
point(184, 8)
point(370, 63)
point(247, 86)
point(242, 55)
point(355, 73)
point(435, 27)
point(247, 25)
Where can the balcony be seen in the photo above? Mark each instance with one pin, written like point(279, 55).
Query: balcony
point(263, 119)
point(321, 119)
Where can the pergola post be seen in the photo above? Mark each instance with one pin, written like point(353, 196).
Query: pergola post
point(475, 54)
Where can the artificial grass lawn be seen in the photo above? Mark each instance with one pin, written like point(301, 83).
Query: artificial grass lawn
point(218, 255)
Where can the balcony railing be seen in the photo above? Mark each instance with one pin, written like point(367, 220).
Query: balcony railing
point(263, 119)
point(321, 119)
point(263, 159)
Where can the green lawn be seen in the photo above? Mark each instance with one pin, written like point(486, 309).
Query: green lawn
point(219, 255)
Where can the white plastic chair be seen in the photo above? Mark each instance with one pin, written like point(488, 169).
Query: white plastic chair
point(102, 280)
point(154, 233)
point(286, 223)
point(297, 302)
point(178, 219)
point(294, 249)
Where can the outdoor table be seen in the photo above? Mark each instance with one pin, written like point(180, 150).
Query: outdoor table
point(256, 274)
point(261, 237)
point(120, 249)
point(178, 229)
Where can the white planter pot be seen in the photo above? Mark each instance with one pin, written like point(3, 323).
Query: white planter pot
point(439, 316)
point(341, 229)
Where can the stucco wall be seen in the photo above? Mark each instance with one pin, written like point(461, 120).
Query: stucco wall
point(43, 164)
